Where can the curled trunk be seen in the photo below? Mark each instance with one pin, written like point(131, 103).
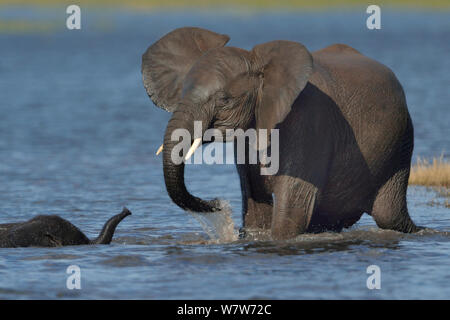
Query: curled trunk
point(174, 173)
point(107, 232)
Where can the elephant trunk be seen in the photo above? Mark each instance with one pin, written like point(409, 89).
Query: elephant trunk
point(174, 172)
point(107, 232)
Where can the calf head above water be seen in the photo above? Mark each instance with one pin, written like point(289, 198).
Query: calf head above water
point(54, 231)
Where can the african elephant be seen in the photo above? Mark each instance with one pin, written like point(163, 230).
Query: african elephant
point(345, 133)
point(53, 231)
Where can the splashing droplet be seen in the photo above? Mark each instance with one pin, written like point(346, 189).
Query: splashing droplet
point(218, 225)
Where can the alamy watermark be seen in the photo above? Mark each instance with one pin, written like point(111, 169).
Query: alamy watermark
point(374, 280)
point(74, 20)
point(258, 151)
point(374, 20)
point(74, 279)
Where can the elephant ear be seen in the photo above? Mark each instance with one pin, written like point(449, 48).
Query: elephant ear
point(167, 61)
point(286, 68)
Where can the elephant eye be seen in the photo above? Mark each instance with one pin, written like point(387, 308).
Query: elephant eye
point(223, 100)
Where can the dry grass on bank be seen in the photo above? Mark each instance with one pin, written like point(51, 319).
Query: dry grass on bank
point(435, 173)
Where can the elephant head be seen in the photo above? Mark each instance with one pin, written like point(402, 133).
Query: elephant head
point(191, 73)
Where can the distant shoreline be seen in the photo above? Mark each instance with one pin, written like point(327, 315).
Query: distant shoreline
point(250, 5)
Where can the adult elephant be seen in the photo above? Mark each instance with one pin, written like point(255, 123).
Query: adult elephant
point(345, 134)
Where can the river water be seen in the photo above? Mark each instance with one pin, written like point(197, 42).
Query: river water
point(78, 137)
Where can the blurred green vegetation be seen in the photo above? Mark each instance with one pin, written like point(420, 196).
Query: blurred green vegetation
point(251, 4)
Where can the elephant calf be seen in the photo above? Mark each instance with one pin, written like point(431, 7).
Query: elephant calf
point(53, 231)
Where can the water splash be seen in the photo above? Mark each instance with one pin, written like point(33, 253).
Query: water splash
point(218, 225)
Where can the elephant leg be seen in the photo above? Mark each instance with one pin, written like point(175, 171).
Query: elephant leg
point(351, 219)
point(389, 208)
point(324, 221)
point(257, 203)
point(259, 214)
point(294, 206)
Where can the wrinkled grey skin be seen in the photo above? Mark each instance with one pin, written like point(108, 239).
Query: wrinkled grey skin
point(346, 137)
point(53, 231)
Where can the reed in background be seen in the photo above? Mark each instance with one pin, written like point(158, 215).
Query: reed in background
point(434, 173)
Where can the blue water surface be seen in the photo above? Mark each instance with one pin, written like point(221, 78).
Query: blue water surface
point(78, 137)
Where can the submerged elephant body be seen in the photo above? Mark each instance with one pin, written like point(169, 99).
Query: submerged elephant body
point(345, 134)
point(53, 231)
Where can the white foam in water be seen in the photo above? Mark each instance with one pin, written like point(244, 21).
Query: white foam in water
point(218, 225)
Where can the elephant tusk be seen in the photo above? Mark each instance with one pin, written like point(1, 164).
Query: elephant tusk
point(192, 149)
point(160, 149)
